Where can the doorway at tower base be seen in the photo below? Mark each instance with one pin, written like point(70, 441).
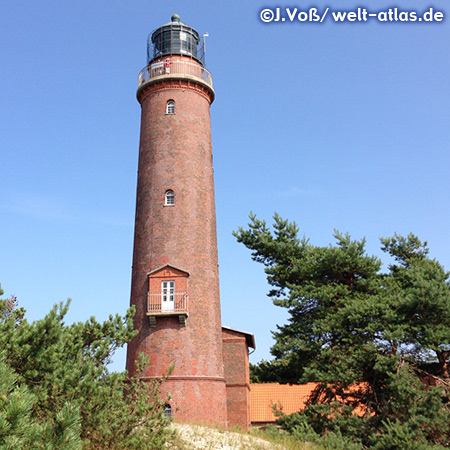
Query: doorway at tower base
point(197, 399)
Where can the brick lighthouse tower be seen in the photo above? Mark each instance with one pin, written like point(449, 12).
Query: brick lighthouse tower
point(175, 283)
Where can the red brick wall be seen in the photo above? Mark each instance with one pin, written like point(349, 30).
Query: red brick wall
point(165, 274)
point(175, 153)
point(236, 366)
point(200, 401)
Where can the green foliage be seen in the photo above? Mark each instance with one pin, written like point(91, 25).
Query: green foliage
point(280, 439)
point(18, 429)
point(396, 435)
point(269, 371)
point(301, 428)
point(67, 388)
point(378, 342)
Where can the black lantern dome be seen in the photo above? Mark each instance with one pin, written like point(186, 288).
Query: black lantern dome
point(174, 38)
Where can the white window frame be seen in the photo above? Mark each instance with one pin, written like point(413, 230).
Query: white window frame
point(170, 107)
point(169, 198)
point(167, 295)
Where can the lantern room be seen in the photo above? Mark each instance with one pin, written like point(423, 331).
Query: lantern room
point(174, 38)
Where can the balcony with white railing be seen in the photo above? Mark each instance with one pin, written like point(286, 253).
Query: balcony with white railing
point(167, 304)
point(175, 68)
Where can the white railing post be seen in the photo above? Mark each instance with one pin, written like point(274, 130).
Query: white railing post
point(154, 302)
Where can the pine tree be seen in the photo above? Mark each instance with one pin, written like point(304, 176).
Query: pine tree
point(63, 369)
point(20, 430)
point(369, 338)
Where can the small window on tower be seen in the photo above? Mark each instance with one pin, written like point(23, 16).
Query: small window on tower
point(170, 107)
point(168, 411)
point(170, 198)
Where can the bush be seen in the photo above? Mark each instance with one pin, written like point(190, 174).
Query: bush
point(61, 385)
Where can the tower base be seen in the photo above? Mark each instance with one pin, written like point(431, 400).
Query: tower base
point(196, 400)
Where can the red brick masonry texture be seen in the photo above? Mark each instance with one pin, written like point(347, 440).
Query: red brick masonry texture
point(175, 153)
point(235, 361)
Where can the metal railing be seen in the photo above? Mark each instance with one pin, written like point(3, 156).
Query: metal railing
point(172, 67)
point(156, 304)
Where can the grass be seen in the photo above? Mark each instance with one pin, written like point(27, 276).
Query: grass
point(283, 439)
point(192, 437)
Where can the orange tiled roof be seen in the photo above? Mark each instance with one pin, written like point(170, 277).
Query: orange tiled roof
point(291, 397)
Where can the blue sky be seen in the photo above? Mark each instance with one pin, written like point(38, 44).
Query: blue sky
point(332, 125)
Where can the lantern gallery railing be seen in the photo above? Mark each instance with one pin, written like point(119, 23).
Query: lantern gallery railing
point(170, 67)
point(167, 302)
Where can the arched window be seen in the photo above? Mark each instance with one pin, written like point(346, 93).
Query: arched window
point(170, 107)
point(170, 197)
point(167, 410)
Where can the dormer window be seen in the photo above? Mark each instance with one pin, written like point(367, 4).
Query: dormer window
point(170, 107)
point(170, 198)
point(167, 295)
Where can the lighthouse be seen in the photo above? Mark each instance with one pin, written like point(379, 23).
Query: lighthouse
point(175, 280)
